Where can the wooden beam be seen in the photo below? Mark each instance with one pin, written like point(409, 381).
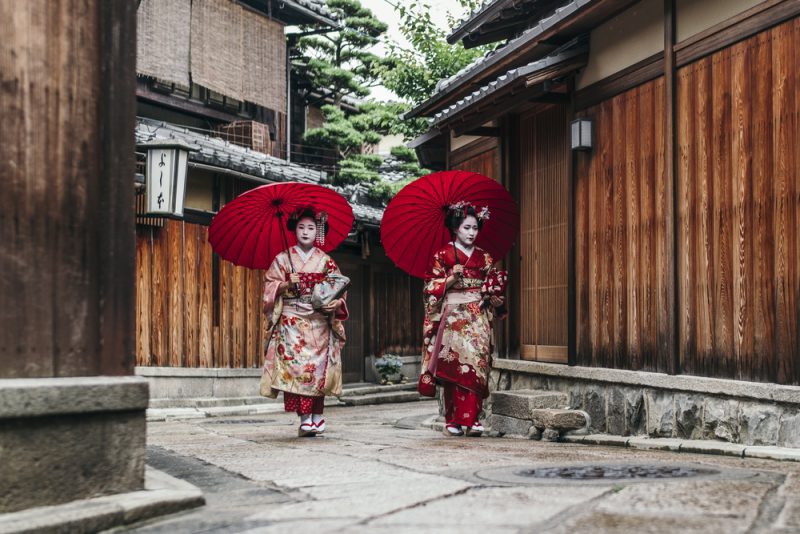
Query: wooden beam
point(670, 345)
point(484, 131)
point(737, 28)
point(637, 74)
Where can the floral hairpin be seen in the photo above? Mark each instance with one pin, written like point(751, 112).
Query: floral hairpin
point(321, 219)
point(460, 209)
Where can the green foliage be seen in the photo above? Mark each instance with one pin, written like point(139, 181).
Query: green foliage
point(403, 153)
point(413, 74)
point(339, 61)
point(359, 169)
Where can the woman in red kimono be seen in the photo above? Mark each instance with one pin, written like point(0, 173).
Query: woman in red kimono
point(458, 340)
point(303, 358)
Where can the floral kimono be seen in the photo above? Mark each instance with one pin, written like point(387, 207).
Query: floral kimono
point(303, 358)
point(458, 338)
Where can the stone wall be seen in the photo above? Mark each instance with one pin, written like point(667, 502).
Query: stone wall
point(63, 439)
point(637, 403)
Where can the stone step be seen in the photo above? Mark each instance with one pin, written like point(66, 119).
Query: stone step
point(209, 402)
point(381, 398)
point(520, 403)
point(369, 389)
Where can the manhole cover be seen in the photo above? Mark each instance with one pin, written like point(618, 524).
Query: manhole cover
point(615, 472)
point(606, 473)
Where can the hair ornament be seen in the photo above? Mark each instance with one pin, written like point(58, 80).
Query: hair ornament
point(321, 220)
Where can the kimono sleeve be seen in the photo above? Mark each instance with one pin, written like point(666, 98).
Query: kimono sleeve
point(331, 268)
point(273, 277)
point(435, 282)
point(501, 312)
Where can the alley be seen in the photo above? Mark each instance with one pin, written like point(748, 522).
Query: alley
point(377, 469)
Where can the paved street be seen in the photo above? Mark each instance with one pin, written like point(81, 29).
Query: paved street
point(376, 470)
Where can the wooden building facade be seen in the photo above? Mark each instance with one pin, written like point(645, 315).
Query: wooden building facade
point(207, 87)
point(672, 245)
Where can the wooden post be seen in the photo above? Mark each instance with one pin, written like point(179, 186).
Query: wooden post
point(671, 343)
point(67, 106)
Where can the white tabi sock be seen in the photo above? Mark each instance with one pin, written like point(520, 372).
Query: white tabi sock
point(305, 419)
point(316, 418)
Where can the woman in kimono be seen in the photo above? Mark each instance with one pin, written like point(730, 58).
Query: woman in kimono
point(458, 341)
point(303, 357)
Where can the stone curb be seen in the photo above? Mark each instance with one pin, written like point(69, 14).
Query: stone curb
point(174, 414)
point(692, 384)
point(38, 397)
point(163, 495)
point(687, 445)
point(381, 398)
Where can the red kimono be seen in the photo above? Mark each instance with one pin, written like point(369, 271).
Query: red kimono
point(458, 336)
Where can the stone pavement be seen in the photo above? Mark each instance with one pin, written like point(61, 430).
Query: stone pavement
point(377, 470)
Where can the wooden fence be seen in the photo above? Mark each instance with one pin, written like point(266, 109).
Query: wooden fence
point(196, 310)
point(738, 245)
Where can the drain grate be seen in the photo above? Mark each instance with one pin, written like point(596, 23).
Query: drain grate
point(616, 472)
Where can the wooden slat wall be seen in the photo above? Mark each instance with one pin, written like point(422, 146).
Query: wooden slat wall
point(544, 181)
point(396, 328)
point(482, 157)
point(739, 168)
point(174, 302)
point(620, 234)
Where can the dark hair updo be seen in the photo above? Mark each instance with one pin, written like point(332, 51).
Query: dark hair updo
point(455, 217)
point(303, 213)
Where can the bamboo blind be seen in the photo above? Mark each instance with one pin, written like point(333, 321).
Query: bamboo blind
point(162, 40)
point(238, 53)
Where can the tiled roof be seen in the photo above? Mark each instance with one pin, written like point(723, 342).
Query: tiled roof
point(492, 57)
point(483, 8)
point(545, 24)
point(317, 6)
point(224, 154)
point(363, 212)
point(217, 152)
point(508, 77)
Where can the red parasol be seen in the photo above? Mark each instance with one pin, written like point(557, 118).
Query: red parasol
point(251, 229)
point(413, 227)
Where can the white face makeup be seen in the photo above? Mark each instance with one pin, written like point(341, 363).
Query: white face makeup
point(467, 232)
point(306, 231)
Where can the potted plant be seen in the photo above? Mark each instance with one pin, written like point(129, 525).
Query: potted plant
point(387, 366)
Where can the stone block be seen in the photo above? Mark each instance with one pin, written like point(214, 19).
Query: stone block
point(561, 420)
point(773, 453)
point(509, 425)
point(759, 423)
point(56, 459)
point(534, 433)
point(658, 444)
point(181, 387)
point(713, 447)
point(789, 433)
point(520, 403)
point(550, 434)
point(594, 403)
point(615, 412)
point(660, 413)
point(688, 416)
point(720, 419)
point(241, 386)
point(635, 415)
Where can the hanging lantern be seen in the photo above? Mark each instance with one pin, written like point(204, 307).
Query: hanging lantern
point(165, 177)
